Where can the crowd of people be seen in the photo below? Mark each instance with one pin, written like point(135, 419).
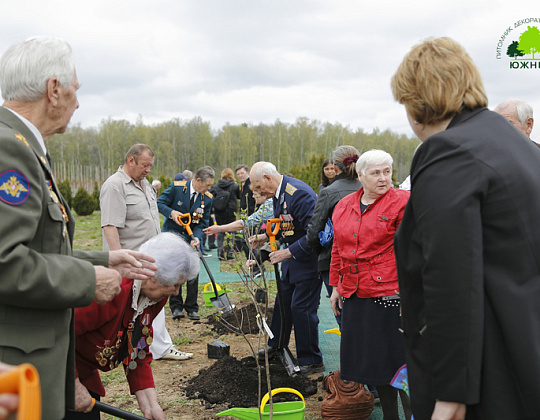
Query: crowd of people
point(443, 278)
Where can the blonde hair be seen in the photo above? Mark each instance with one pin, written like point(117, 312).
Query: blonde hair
point(436, 80)
point(227, 173)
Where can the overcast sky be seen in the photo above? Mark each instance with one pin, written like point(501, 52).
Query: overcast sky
point(258, 61)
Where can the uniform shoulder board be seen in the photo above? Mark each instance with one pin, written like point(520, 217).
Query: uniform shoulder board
point(290, 189)
point(179, 183)
point(209, 195)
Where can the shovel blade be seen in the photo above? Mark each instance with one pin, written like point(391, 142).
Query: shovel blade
point(289, 362)
point(223, 304)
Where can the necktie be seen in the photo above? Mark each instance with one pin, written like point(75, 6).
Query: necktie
point(192, 200)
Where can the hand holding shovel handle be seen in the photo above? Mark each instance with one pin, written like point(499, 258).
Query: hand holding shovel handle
point(23, 380)
point(186, 224)
point(284, 353)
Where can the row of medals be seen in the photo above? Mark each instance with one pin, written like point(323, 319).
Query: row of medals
point(287, 227)
point(62, 208)
point(108, 353)
point(198, 214)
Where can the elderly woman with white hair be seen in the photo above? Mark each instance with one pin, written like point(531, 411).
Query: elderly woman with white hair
point(364, 279)
point(120, 331)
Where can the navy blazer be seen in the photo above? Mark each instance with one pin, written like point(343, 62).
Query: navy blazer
point(297, 199)
point(176, 197)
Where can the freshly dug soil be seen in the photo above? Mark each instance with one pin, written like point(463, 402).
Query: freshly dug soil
point(235, 383)
point(243, 320)
point(185, 388)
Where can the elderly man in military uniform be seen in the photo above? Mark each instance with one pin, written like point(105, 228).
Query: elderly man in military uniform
point(41, 277)
point(294, 202)
point(188, 197)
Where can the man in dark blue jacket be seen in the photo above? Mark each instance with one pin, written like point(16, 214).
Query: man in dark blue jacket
point(294, 201)
point(180, 198)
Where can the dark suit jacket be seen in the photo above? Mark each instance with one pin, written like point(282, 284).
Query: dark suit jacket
point(468, 253)
point(327, 200)
point(297, 199)
point(176, 197)
point(247, 202)
point(40, 281)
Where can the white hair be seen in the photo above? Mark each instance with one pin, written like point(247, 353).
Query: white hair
point(523, 110)
point(26, 67)
point(264, 168)
point(373, 157)
point(175, 259)
point(156, 183)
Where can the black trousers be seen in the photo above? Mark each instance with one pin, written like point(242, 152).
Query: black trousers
point(190, 303)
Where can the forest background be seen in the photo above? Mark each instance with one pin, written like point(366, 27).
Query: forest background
point(86, 157)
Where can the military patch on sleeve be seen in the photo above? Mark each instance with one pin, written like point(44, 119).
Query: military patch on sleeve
point(14, 187)
point(290, 189)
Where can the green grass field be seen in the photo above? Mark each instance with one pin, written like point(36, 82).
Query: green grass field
point(88, 232)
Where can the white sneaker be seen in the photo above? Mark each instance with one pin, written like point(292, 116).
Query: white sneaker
point(175, 354)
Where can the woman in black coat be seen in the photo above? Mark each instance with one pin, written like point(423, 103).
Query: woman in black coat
point(344, 183)
point(225, 204)
point(468, 248)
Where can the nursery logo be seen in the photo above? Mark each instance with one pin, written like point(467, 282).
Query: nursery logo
point(521, 45)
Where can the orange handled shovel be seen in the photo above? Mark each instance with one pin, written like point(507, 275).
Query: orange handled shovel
point(285, 354)
point(24, 381)
point(220, 301)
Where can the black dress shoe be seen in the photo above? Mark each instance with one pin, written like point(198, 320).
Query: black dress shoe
point(314, 368)
point(177, 313)
point(272, 352)
point(193, 315)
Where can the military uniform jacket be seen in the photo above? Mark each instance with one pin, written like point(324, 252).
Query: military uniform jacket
point(177, 197)
point(296, 201)
point(40, 281)
point(101, 332)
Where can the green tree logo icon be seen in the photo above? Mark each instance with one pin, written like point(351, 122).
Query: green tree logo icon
point(529, 41)
point(514, 51)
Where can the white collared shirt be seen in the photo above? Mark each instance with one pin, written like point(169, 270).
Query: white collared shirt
point(279, 187)
point(191, 191)
point(139, 302)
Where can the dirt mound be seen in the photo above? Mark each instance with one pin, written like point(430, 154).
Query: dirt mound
point(242, 319)
point(235, 383)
